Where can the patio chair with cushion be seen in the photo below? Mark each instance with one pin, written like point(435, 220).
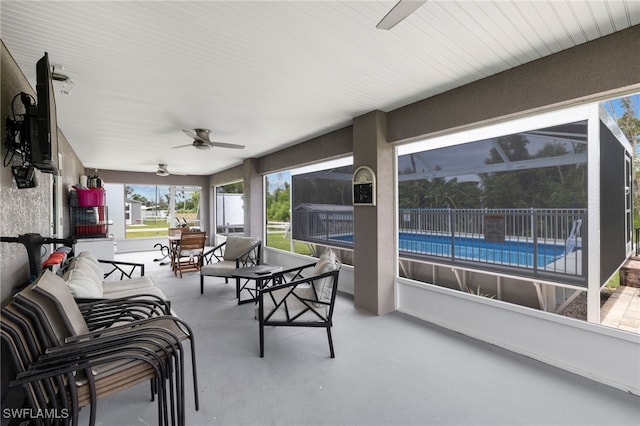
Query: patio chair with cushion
point(301, 302)
point(224, 259)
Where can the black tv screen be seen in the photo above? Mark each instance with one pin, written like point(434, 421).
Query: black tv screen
point(44, 147)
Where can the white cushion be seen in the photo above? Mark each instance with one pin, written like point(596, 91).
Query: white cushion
point(236, 246)
point(293, 306)
point(82, 284)
point(90, 257)
point(136, 292)
point(135, 283)
point(84, 263)
point(327, 262)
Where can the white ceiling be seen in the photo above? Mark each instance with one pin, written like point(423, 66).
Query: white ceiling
point(269, 74)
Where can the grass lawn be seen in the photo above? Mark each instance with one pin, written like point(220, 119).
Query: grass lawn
point(144, 234)
point(614, 282)
point(278, 240)
point(149, 228)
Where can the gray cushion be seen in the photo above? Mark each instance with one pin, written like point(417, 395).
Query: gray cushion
point(224, 268)
point(236, 246)
point(53, 287)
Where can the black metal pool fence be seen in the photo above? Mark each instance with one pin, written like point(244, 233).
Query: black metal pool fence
point(529, 242)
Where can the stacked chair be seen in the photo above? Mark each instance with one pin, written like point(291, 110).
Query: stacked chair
point(68, 356)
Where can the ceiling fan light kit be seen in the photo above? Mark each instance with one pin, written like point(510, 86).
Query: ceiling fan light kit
point(163, 170)
point(202, 146)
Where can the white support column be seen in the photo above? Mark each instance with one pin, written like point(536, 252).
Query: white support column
point(593, 208)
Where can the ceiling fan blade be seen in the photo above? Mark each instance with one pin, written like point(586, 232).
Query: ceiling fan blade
point(201, 135)
point(227, 145)
point(190, 133)
point(398, 13)
point(181, 146)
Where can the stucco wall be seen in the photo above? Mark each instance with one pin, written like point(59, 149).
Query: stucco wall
point(26, 210)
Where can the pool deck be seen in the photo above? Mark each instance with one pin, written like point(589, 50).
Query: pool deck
point(622, 309)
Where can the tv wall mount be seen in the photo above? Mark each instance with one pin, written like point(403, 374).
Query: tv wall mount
point(18, 136)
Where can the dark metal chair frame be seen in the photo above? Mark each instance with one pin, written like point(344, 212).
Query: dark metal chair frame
point(250, 257)
point(94, 349)
point(295, 280)
point(46, 356)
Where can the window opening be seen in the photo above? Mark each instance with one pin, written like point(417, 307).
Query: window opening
point(230, 209)
point(150, 210)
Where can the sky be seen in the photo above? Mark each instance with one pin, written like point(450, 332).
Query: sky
point(149, 191)
point(617, 106)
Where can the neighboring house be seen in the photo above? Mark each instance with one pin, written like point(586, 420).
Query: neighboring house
point(229, 212)
point(133, 212)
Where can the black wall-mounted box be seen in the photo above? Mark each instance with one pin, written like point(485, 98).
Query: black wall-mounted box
point(24, 176)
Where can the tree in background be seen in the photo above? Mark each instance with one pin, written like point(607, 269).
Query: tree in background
point(629, 123)
point(562, 186)
point(278, 204)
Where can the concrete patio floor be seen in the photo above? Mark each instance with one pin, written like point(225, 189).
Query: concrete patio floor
point(388, 370)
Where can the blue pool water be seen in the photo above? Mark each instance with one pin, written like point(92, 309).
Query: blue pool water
point(505, 253)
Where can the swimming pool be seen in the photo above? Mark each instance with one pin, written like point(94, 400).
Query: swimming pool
point(512, 253)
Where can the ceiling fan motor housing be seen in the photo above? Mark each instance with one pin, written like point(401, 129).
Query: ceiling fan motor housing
point(162, 170)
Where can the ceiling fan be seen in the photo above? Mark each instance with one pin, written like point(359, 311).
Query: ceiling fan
point(398, 13)
point(163, 170)
point(201, 140)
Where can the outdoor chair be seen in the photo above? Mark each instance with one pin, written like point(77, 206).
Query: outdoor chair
point(224, 259)
point(78, 375)
point(102, 365)
point(19, 351)
point(302, 301)
point(189, 252)
point(92, 360)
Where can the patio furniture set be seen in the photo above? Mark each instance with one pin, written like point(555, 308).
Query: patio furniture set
point(81, 334)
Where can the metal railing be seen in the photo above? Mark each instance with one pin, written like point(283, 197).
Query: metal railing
point(538, 242)
point(328, 227)
point(544, 243)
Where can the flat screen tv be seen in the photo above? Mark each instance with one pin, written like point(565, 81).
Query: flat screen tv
point(44, 146)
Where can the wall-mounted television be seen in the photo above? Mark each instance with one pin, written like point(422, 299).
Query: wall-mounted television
point(44, 146)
